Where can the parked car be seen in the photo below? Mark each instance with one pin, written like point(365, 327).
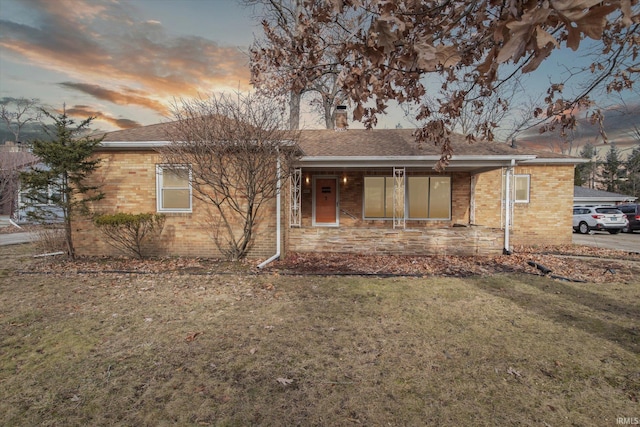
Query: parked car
point(632, 212)
point(604, 218)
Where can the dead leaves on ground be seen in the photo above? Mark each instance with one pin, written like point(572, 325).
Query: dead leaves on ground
point(571, 262)
point(576, 263)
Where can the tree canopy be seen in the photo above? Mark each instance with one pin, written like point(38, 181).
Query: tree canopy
point(389, 47)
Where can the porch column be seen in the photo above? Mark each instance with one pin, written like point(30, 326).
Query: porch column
point(295, 197)
point(398, 198)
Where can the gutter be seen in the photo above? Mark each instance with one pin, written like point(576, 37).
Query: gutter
point(278, 227)
point(507, 214)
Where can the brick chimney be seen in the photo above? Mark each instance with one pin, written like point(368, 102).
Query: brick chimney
point(341, 118)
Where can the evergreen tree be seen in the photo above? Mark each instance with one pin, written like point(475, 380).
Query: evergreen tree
point(62, 182)
point(611, 170)
point(632, 185)
point(585, 173)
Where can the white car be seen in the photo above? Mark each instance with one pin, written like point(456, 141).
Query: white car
point(603, 218)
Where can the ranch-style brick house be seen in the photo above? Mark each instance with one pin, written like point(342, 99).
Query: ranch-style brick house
point(354, 191)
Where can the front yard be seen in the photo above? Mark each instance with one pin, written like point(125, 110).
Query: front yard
point(106, 345)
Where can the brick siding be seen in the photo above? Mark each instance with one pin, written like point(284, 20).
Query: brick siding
point(128, 179)
point(547, 218)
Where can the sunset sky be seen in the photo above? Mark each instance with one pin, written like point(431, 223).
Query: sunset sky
point(124, 61)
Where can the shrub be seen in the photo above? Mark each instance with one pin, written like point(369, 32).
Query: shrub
point(126, 231)
point(50, 239)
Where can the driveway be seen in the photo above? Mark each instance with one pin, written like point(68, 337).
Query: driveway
point(629, 242)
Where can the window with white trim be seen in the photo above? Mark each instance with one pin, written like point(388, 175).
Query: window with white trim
point(425, 197)
point(173, 188)
point(521, 188)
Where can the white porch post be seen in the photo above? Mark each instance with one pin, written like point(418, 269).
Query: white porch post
point(295, 198)
point(398, 198)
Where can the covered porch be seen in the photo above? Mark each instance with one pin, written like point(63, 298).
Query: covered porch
point(392, 206)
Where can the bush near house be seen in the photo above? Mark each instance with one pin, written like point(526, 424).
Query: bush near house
point(127, 231)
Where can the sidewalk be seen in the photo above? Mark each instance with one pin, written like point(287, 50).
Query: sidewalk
point(16, 238)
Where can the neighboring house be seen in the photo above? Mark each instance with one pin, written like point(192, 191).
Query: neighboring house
point(356, 191)
point(13, 199)
point(590, 197)
point(13, 160)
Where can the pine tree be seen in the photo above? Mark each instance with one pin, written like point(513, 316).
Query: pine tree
point(68, 162)
point(611, 170)
point(632, 185)
point(586, 172)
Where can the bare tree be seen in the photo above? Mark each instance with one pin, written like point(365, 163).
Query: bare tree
point(300, 55)
point(237, 151)
point(24, 111)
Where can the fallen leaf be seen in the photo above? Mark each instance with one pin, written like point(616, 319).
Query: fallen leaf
point(513, 372)
point(192, 337)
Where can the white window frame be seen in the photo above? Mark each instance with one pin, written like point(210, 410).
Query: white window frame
point(159, 181)
point(517, 177)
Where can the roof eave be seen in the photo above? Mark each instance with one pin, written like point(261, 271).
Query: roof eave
point(456, 161)
point(132, 145)
point(556, 160)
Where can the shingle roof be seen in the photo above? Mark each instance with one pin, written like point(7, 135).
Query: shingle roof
point(397, 142)
point(582, 193)
point(157, 132)
point(355, 142)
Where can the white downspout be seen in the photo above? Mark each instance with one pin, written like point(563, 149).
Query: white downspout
point(507, 215)
point(278, 236)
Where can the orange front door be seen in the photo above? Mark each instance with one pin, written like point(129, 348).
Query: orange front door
point(326, 198)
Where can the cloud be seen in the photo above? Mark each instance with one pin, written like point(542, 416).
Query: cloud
point(84, 111)
point(103, 41)
point(620, 124)
point(130, 97)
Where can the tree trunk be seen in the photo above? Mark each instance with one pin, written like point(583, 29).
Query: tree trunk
point(329, 113)
point(294, 110)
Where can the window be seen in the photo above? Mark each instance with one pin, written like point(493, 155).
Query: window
point(424, 197)
point(173, 188)
point(519, 188)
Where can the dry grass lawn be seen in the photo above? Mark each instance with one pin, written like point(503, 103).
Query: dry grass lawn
point(241, 349)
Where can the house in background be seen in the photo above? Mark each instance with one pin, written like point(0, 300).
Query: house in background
point(355, 191)
point(591, 197)
point(14, 158)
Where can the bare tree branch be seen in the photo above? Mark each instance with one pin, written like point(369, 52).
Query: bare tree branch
point(234, 147)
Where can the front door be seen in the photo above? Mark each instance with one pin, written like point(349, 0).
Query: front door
point(326, 201)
